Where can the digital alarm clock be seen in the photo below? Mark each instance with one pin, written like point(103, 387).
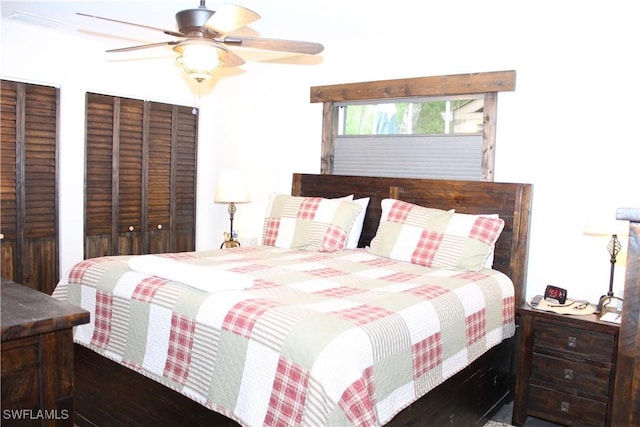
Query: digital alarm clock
point(555, 294)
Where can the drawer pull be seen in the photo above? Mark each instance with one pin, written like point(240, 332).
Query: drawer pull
point(564, 406)
point(568, 374)
point(572, 342)
point(159, 226)
point(131, 228)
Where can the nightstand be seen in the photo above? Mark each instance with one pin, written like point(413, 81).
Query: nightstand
point(565, 368)
point(37, 357)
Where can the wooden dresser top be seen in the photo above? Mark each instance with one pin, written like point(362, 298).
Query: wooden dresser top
point(27, 312)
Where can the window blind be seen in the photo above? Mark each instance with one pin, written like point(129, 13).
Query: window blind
point(456, 156)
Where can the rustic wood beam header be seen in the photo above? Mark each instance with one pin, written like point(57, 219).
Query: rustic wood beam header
point(457, 84)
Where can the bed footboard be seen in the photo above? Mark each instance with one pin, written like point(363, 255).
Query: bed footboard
point(110, 395)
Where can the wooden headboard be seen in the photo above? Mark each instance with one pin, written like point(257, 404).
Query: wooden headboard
point(511, 201)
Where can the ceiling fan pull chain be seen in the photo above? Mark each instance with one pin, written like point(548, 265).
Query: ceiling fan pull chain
point(196, 98)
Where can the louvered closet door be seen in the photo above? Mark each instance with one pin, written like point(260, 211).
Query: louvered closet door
point(29, 185)
point(171, 183)
point(128, 144)
point(113, 192)
point(141, 169)
point(9, 180)
point(158, 196)
point(184, 179)
point(100, 183)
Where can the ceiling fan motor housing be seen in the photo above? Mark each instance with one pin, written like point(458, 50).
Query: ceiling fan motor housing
point(193, 20)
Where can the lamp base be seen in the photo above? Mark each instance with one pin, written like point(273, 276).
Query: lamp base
point(604, 301)
point(230, 244)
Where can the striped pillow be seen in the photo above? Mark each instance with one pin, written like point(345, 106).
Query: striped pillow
point(435, 238)
point(311, 223)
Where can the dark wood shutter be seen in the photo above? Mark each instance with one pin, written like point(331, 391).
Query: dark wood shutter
point(184, 179)
point(100, 182)
point(149, 149)
point(128, 128)
point(9, 178)
point(158, 178)
point(29, 197)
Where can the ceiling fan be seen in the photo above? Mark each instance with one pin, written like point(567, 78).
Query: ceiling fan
point(203, 41)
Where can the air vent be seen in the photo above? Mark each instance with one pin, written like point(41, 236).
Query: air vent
point(34, 19)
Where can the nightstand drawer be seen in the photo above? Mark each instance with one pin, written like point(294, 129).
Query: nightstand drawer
point(580, 343)
point(565, 408)
point(586, 378)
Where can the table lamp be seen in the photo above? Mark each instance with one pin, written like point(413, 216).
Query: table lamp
point(612, 228)
point(231, 189)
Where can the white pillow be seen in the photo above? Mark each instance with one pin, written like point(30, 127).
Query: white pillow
point(356, 230)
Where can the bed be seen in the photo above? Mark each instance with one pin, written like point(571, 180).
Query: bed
point(301, 383)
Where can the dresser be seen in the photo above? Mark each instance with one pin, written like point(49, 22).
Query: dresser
point(565, 368)
point(37, 357)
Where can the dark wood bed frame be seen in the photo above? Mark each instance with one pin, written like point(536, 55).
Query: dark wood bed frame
point(108, 394)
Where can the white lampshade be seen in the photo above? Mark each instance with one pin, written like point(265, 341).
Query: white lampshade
point(232, 187)
point(599, 224)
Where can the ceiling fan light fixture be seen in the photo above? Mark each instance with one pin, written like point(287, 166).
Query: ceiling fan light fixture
point(203, 37)
point(199, 58)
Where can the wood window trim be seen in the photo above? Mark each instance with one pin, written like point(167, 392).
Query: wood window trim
point(488, 83)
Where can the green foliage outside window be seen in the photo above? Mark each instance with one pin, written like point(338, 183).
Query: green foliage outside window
point(415, 118)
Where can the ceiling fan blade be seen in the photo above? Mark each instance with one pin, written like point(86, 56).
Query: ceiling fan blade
point(167, 32)
point(230, 17)
point(230, 59)
point(143, 46)
point(309, 48)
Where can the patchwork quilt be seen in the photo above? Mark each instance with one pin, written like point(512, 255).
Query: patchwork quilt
point(270, 336)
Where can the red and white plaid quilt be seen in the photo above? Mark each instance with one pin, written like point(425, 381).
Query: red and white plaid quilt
point(319, 339)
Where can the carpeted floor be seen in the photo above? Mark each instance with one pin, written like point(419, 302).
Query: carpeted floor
point(504, 414)
point(503, 419)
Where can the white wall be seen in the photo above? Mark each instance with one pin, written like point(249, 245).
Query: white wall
point(568, 128)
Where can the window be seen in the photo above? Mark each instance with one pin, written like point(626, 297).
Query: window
point(426, 138)
point(429, 127)
point(425, 116)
